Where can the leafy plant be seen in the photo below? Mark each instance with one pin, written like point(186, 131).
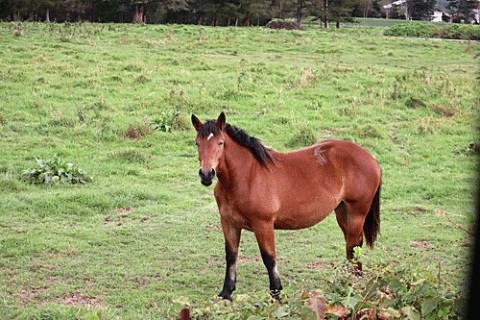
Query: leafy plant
point(53, 171)
point(170, 120)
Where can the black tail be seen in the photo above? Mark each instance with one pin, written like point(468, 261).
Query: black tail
point(371, 227)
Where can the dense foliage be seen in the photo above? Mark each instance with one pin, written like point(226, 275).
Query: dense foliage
point(463, 10)
point(210, 12)
point(420, 9)
point(213, 12)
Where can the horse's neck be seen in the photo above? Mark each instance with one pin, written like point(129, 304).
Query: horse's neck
point(236, 165)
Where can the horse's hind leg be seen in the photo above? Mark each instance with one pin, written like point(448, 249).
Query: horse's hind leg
point(351, 220)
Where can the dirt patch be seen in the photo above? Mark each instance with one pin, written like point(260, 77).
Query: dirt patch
point(318, 265)
point(122, 216)
point(40, 296)
point(249, 260)
point(27, 295)
point(79, 299)
point(123, 210)
point(422, 244)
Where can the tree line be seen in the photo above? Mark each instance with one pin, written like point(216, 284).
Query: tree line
point(205, 12)
point(210, 12)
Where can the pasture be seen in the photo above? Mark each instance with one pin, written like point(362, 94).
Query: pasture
point(143, 238)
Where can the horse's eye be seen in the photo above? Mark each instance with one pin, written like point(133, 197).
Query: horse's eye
point(220, 143)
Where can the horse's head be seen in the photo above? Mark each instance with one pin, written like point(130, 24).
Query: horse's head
point(210, 141)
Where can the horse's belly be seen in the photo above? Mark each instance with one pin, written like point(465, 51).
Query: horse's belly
point(304, 215)
point(293, 223)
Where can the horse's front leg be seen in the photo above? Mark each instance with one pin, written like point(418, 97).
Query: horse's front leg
point(232, 240)
point(265, 235)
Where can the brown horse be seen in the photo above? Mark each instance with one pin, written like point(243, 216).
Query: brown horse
point(260, 190)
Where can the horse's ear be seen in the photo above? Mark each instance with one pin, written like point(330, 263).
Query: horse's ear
point(221, 121)
point(197, 124)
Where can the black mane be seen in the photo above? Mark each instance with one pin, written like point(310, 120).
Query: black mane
point(256, 147)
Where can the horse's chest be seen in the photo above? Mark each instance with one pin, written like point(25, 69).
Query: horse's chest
point(240, 210)
point(231, 212)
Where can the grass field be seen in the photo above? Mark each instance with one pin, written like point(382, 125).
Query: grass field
point(143, 237)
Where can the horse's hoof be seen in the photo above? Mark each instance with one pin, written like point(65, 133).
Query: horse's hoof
point(224, 297)
point(276, 294)
point(357, 273)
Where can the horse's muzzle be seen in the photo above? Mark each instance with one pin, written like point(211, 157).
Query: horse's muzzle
point(206, 177)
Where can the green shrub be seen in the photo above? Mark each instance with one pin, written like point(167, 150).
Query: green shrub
point(431, 30)
point(55, 171)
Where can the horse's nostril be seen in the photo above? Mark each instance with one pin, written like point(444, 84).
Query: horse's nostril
point(207, 174)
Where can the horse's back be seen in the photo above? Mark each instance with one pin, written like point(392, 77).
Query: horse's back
point(338, 155)
point(335, 166)
point(346, 153)
point(358, 168)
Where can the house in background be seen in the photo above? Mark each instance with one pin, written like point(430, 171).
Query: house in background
point(440, 16)
point(437, 16)
point(470, 14)
point(476, 14)
point(396, 5)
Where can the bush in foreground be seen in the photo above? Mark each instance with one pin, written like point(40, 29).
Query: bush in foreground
point(384, 292)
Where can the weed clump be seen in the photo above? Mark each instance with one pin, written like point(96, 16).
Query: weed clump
point(54, 171)
point(287, 24)
point(131, 156)
point(18, 30)
point(415, 103)
point(170, 121)
point(137, 130)
point(303, 137)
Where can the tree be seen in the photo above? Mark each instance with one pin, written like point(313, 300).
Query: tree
point(302, 6)
point(46, 6)
point(340, 10)
point(254, 10)
point(420, 9)
point(322, 12)
point(464, 10)
point(139, 11)
point(365, 6)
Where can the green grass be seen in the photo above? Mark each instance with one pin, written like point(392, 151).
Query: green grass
point(143, 238)
point(378, 22)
